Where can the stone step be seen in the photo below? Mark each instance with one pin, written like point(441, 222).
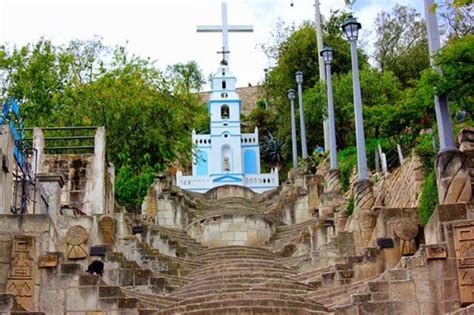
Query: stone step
point(310, 275)
point(397, 274)
point(241, 288)
point(236, 248)
point(242, 275)
point(243, 282)
point(258, 302)
point(237, 272)
point(241, 296)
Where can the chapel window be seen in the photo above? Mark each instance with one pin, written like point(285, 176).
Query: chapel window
point(225, 112)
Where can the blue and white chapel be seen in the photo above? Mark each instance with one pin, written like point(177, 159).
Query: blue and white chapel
point(226, 156)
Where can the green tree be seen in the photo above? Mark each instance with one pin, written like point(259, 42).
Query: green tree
point(148, 115)
point(401, 43)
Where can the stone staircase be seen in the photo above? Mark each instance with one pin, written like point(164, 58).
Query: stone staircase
point(242, 280)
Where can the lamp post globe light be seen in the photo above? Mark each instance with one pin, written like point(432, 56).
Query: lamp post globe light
point(327, 53)
point(291, 96)
point(351, 29)
point(299, 81)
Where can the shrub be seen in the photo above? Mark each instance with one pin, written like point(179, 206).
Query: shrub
point(429, 197)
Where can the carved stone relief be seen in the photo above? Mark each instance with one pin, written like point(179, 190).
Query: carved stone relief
point(406, 231)
point(464, 245)
point(20, 282)
point(76, 237)
point(107, 228)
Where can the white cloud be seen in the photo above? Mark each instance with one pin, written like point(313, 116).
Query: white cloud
point(165, 30)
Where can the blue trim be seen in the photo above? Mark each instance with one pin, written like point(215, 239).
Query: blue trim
point(225, 121)
point(220, 78)
point(250, 162)
point(226, 174)
point(215, 136)
point(249, 145)
point(203, 146)
point(225, 102)
point(222, 179)
point(220, 91)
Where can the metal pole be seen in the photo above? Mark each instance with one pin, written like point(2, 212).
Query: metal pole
point(332, 125)
point(319, 41)
point(362, 173)
point(293, 135)
point(304, 148)
point(443, 117)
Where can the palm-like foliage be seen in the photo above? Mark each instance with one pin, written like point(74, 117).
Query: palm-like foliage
point(272, 150)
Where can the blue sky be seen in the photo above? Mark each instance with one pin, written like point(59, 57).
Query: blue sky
point(165, 30)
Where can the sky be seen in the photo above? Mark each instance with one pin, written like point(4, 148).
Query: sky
point(165, 30)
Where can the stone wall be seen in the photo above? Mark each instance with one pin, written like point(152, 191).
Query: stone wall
point(89, 178)
point(40, 230)
point(229, 230)
point(230, 191)
point(402, 187)
point(7, 162)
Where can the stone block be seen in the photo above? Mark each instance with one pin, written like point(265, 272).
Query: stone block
point(404, 308)
point(127, 302)
point(378, 286)
point(5, 249)
point(110, 291)
point(106, 304)
point(429, 308)
point(71, 268)
point(374, 308)
point(241, 236)
point(380, 296)
point(48, 261)
point(80, 299)
point(126, 277)
point(141, 277)
point(452, 212)
point(89, 280)
point(227, 236)
point(451, 290)
point(360, 297)
point(436, 251)
point(397, 274)
point(52, 301)
point(7, 303)
point(4, 270)
point(428, 290)
point(402, 291)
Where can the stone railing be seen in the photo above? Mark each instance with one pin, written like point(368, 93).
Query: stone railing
point(201, 139)
point(249, 139)
point(270, 179)
point(193, 182)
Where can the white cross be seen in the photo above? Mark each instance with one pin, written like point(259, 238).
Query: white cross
point(225, 29)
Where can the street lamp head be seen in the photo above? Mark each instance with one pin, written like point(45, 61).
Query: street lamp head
point(351, 28)
point(327, 53)
point(291, 94)
point(299, 77)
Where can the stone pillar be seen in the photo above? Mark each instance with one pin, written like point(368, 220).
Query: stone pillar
point(38, 148)
point(332, 181)
point(453, 179)
point(364, 201)
point(97, 194)
point(51, 185)
point(7, 163)
point(452, 170)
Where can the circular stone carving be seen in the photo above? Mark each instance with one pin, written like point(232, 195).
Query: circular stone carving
point(406, 229)
point(76, 235)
